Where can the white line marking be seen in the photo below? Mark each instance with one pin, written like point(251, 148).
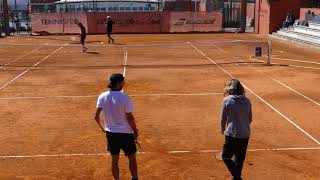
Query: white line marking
point(168, 152)
point(268, 104)
point(290, 65)
point(274, 79)
point(296, 60)
point(290, 88)
point(125, 63)
point(54, 155)
point(91, 96)
point(184, 94)
point(178, 152)
point(209, 151)
point(305, 67)
point(45, 97)
point(219, 48)
point(291, 149)
point(36, 64)
point(18, 58)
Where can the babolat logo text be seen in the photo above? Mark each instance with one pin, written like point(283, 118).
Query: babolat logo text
point(59, 21)
point(183, 21)
point(130, 21)
point(199, 21)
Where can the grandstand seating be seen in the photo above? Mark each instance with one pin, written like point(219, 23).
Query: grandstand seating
point(309, 36)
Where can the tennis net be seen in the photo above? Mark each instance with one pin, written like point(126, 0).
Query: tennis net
point(150, 55)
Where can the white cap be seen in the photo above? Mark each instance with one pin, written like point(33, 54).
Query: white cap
point(108, 17)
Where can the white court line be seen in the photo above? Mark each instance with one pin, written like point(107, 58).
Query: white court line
point(296, 60)
point(18, 58)
point(279, 82)
point(91, 96)
point(219, 48)
point(268, 104)
point(183, 94)
point(285, 149)
point(36, 64)
point(125, 63)
point(290, 65)
point(305, 67)
point(167, 152)
point(290, 88)
point(45, 97)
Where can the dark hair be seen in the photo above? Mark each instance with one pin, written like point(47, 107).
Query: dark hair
point(80, 24)
point(115, 79)
point(234, 87)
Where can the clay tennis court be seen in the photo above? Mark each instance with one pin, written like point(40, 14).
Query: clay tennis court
point(48, 94)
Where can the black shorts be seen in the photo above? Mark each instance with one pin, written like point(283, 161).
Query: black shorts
point(82, 39)
point(118, 141)
point(109, 31)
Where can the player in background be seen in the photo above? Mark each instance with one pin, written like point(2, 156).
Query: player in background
point(82, 35)
point(109, 24)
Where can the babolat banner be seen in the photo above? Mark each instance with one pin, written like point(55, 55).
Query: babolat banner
point(128, 22)
point(195, 22)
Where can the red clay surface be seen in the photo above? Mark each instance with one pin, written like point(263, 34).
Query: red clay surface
point(177, 93)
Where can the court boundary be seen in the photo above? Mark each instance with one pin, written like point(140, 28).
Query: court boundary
point(277, 81)
point(167, 152)
point(268, 104)
point(34, 65)
point(132, 95)
point(20, 57)
point(285, 65)
point(296, 60)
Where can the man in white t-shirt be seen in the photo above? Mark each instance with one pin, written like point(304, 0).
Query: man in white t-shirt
point(119, 124)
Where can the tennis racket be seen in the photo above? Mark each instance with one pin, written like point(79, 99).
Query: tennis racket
point(138, 146)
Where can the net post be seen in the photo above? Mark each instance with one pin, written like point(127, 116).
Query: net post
point(269, 52)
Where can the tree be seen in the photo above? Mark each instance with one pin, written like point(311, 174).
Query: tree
point(231, 10)
point(6, 17)
point(243, 24)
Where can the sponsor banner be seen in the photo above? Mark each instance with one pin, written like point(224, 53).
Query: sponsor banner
point(149, 22)
point(57, 23)
point(195, 22)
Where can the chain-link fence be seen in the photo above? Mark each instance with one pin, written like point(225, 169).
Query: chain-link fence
point(231, 11)
point(19, 21)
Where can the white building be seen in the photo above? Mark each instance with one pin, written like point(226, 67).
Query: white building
point(107, 5)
